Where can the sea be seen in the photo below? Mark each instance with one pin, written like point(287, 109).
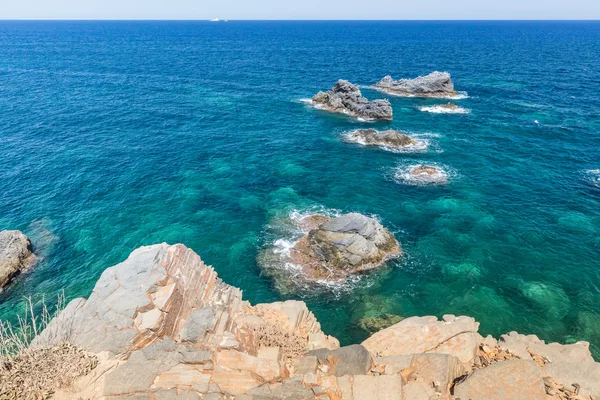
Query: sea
point(119, 134)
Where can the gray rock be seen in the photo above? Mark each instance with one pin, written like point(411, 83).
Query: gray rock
point(348, 360)
point(436, 84)
point(515, 380)
point(342, 246)
point(198, 324)
point(389, 139)
point(346, 98)
point(16, 254)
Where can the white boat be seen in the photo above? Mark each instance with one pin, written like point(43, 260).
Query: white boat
point(215, 20)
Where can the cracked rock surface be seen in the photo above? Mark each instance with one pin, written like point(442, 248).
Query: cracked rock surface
point(436, 84)
point(163, 326)
point(346, 98)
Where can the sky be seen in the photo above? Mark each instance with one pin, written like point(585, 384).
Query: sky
point(300, 9)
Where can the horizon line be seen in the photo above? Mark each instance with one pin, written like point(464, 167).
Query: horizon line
point(305, 20)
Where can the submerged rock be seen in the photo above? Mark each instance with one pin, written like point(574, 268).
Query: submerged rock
point(343, 246)
point(346, 98)
point(16, 254)
point(389, 139)
point(436, 84)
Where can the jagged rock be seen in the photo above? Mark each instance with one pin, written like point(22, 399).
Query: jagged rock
point(515, 380)
point(346, 98)
point(427, 335)
point(389, 139)
point(342, 246)
point(567, 364)
point(164, 320)
point(16, 255)
point(436, 84)
point(348, 360)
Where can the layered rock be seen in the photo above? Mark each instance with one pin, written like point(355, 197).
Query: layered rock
point(346, 98)
point(16, 255)
point(343, 246)
point(436, 84)
point(389, 139)
point(162, 326)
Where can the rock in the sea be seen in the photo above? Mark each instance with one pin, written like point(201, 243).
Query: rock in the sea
point(436, 84)
point(346, 98)
point(343, 246)
point(16, 254)
point(389, 139)
point(428, 173)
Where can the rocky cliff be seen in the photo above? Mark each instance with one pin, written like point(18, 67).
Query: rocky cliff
point(164, 326)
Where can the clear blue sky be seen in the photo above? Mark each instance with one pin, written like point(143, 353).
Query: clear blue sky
point(300, 9)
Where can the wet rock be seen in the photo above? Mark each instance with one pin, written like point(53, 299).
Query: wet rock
point(428, 174)
point(343, 246)
point(436, 84)
point(427, 335)
point(348, 360)
point(515, 380)
point(389, 139)
point(16, 255)
point(346, 98)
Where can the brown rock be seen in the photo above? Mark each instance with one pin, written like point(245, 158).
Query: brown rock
point(427, 335)
point(515, 380)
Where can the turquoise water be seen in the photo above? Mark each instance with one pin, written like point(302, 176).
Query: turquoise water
point(115, 135)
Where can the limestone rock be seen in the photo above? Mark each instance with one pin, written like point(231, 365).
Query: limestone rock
point(427, 335)
point(16, 255)
point(566, 364)
point(348, 360)
point(515, 380)
point(436, 84)
point(368, 387)
point(342, 246)
point(346, 98)
point(437, 370)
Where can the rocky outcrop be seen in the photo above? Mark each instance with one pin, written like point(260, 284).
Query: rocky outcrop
point(16, 255)
point(429, 174)
point(342, 246)
point(389, 140)
point(346, 98)
point(162, 326)
point(436, 84)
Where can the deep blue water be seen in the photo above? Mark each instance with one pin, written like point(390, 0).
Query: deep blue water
point(115, 135)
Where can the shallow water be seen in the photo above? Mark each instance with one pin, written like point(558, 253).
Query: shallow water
point(115, 135)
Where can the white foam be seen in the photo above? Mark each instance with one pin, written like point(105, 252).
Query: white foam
point(403, 174)
point(440, 109)
point(457, 96)
point(594, 176)
point(420, 146)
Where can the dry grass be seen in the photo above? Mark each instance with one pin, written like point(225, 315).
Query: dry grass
point(15, 339)
point(35, 373)
point(271, 335)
